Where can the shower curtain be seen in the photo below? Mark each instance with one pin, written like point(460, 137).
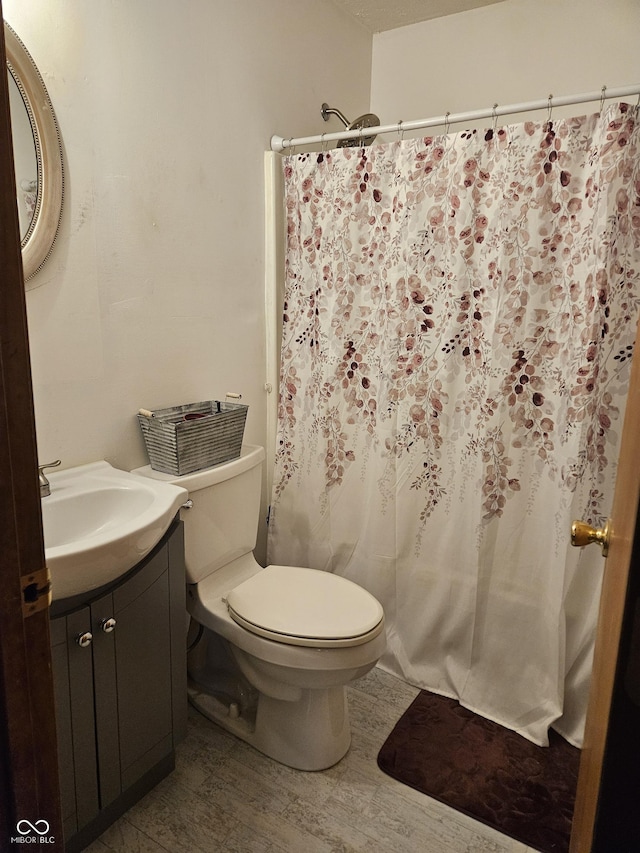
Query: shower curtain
point(459, 320)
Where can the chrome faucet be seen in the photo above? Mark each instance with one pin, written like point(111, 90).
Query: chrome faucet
point(45, 486)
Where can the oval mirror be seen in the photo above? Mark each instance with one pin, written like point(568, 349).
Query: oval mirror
point(37, 155)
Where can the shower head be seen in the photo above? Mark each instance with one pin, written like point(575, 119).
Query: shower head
point(366, 120)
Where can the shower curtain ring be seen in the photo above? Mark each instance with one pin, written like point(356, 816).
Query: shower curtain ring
point(401, 130)
point(637, 106)
point(550, 107)
point(495, 117)
point(446, 122)
point(603, 95)
point(323, 143)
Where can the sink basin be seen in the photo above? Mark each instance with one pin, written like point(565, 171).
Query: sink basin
point(99, 522)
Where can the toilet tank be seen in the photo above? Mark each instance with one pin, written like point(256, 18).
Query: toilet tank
point(222, 524)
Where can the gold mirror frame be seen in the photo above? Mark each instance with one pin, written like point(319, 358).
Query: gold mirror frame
point(38, 242)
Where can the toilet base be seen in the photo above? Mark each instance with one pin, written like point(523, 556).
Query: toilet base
point(312, 733)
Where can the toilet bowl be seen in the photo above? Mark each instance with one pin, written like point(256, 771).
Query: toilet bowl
point(272, 649)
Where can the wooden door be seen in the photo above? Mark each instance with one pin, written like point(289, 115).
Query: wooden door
point(624, 515)
point(29, 788)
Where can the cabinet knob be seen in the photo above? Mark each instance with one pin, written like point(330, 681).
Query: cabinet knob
point(84, 640)
point(108, 625)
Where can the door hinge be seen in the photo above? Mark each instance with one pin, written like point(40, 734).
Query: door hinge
point(36, 592)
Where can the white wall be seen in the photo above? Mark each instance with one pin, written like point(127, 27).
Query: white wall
point(154, 292)
point(511, 52)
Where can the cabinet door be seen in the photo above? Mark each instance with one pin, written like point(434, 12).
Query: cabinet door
point(80, 670)
point(143, 668)
point(60, 666)
point(106, 699)
point(179, 622)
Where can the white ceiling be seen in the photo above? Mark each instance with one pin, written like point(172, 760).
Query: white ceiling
point(379, 15)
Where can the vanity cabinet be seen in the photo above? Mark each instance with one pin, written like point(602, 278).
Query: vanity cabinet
point(119, 664)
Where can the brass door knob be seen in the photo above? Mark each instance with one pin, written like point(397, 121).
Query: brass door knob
point(583, 534)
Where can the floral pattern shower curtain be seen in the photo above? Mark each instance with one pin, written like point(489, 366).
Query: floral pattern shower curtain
point(459, 320)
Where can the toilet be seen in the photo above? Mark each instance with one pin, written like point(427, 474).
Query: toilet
point(270, 650)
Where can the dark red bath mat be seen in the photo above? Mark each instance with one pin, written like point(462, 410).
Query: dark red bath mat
point(486, 771)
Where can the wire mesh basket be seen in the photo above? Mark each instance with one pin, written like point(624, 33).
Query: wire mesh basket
point(187, 438)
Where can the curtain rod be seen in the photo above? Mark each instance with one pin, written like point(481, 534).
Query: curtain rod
point(278, 143)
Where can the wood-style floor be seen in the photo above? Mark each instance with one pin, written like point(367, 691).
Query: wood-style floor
point(225, 796)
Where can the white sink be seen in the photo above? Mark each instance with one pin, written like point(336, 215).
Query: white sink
point(99, 522)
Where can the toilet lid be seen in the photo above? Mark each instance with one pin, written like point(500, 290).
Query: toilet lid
point(305, 607)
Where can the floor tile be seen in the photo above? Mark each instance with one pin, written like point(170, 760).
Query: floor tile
point(225, 797)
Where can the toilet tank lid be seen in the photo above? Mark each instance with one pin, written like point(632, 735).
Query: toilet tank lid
point(250, 456)
point(306, 604)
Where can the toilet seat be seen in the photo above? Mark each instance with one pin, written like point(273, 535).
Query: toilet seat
point(305, 607)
